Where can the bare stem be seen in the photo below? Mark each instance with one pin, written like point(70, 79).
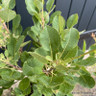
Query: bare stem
point(17, 68)
point(5, 26)
point(13, 66)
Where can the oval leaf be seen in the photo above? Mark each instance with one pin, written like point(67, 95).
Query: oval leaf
point(31, 7)
point(50, 40)
point(72, 20)
point(24, 84)
point(7, 15)
point(86, 81)
point(38, 4)
point(71, 39)
point(66, 88)
point(56, 13)
point(49, 4)
point(16, 21)
point(58, 23)
point(32, 67)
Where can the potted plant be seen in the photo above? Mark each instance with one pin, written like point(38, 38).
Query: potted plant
point(54, 64)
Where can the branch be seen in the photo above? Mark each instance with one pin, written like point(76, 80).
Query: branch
point(5, 26)
point(17, 68)
point(13, 66)
point(83, 54)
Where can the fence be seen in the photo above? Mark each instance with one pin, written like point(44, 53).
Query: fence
point(86, 10)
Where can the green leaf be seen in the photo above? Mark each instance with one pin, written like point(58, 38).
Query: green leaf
point(84, 46)
point(36, 91)
point(36, 30)
point(62, 69)
point(49, 4)
point(9, 4)
point(56, 81)
point(19, 42)
point(70, 41)
point(72, 20)
point(44, 90)
point(16, 21)
point(6, 53)
point(92, 47)
point(32, 66)
point(18, 92)
point(33, 78)
point(60, 94)
point(2, 56)
point(71, 53)
point(38, 57)
point(6, 84)
point(32, 35)
point(70, 94)
point(58, 23)
point(79, 52)
point(1, 91)
point(26, 31)
point(14, 45)
point(24, 84)
point(84, 71)
point(46, 17)
point(37, 17)
point(2, 64)
point(12, 4)
point(86, 81)
point(42, 52)
point(45, 40)
point(25, 43)
point(9, 75)
point(11, 46)
point(69, 79)
point(18, 31)
point(66, 88)
point(31, 7)
point(44, 80)
point(87, 62)
point(24, 56)
point(35, 20)
point(50, 40)
point(56, 13)
point(16, 57)
point(6, 3)
point(27, 91)
point(38, 4)
point(7, 15)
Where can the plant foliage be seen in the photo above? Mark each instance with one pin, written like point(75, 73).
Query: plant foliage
point(55, 63)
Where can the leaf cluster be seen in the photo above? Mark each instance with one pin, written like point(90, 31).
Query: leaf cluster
point(54, 64)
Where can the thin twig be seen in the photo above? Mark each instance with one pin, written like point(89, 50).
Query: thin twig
point(83, 54)
point(17, 68)
point(13, 66)
point(5, 26)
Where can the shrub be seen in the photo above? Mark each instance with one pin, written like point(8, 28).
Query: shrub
point(55, 63)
